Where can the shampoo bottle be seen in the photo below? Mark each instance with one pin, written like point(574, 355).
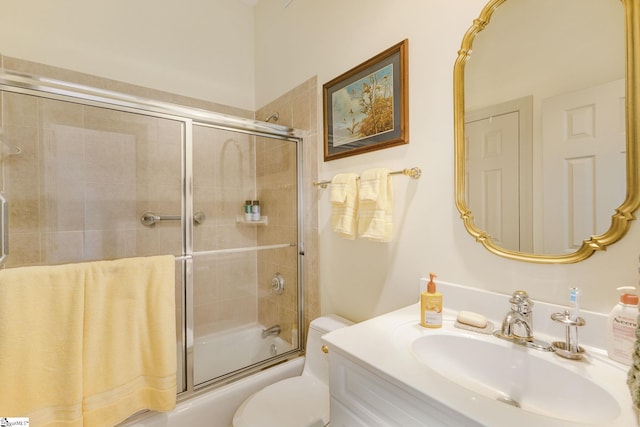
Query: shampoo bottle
point(621, 326)
point(431, 305)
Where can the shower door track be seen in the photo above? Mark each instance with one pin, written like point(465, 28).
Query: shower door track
point(56, 89)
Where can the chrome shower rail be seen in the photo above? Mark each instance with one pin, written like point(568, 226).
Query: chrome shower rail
point(15, 81)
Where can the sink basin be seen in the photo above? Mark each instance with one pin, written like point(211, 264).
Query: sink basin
point(534, 381)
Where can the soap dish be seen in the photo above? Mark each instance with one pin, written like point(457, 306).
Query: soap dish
point(488, 329)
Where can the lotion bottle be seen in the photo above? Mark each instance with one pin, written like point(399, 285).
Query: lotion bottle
point(621, 326)
point(431, 305)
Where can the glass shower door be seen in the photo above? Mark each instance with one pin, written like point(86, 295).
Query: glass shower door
point(85, 179)
point(81, 179)
point(245, 271)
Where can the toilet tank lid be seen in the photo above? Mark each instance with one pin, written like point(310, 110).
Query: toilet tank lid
point(329, 323)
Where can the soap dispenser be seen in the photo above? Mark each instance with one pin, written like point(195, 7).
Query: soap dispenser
point(431, 305)
point(621, 326)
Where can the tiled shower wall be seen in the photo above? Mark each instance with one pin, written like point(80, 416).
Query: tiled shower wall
point(298, 109)
point(155, 155)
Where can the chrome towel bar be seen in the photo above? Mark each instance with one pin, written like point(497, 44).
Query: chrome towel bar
point(149, 219)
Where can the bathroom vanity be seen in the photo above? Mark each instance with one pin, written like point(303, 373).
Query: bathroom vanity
point(390, 371)
point(363, 396)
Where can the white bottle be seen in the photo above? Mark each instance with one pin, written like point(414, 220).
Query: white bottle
point(621, 327)
point(255, 210)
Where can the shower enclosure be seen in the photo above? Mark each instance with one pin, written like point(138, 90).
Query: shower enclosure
point(88, 174)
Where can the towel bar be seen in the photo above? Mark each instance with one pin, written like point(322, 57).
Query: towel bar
point(149, 219)
point(414, 173)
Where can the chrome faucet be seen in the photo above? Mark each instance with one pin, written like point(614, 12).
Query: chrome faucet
point(517, 325)
point(274, 330)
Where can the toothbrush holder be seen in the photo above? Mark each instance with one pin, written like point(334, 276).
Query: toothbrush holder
point(569, 349)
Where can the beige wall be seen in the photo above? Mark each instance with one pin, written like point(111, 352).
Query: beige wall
point(202, 49)
point(360, 279)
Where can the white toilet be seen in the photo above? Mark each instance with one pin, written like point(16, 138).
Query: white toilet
point(299, 401)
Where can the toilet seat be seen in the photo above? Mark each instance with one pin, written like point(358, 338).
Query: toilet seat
point(295, 402)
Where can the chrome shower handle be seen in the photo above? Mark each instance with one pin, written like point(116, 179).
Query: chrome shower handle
point(149, 219)
point(4, 228)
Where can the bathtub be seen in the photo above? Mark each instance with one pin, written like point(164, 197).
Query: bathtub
point(215, 408)
point(227, 351)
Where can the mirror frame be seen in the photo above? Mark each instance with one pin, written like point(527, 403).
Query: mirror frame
point(624, 214)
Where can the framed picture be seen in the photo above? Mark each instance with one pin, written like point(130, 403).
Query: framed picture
point(366, 108)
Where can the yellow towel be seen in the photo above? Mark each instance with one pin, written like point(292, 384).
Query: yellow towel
point(375, 219)
point(41, 312)
point(130, 339)
point(88, 344)
point(344, 204)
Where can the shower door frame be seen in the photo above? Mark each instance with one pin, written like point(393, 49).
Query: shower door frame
point(44, 87)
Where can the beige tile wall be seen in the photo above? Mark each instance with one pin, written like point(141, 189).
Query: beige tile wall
point(276, 181)
point(297, 108)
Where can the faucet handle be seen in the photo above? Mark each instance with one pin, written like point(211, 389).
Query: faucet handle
point(521, 303)
point(519, 297)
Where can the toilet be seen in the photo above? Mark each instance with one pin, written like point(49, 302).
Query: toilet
point(301, 401)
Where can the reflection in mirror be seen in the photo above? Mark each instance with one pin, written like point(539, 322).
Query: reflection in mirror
point(544, 128)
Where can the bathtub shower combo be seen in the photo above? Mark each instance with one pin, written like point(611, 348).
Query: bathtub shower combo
point(89, 174)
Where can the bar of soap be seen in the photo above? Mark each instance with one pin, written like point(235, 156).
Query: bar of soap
point(472, 319)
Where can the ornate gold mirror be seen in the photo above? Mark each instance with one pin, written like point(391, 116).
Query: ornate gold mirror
point(546, 127)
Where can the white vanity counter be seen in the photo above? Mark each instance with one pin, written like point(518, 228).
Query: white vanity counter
point(377, 380)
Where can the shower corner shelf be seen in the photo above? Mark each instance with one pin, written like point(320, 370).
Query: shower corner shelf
point(264, 220)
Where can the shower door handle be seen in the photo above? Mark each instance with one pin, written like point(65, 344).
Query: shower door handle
point(4, 228)
point(149, 219)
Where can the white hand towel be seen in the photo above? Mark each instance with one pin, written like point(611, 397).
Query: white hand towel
point(375, 216)
point(344, 204)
